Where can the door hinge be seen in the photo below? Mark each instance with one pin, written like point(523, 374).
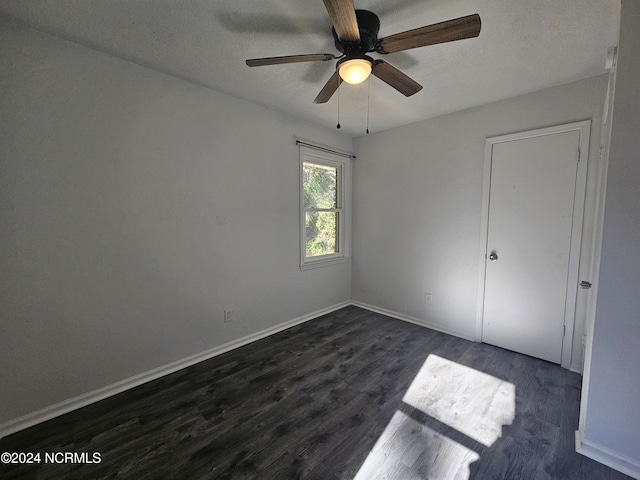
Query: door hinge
point(564, 330)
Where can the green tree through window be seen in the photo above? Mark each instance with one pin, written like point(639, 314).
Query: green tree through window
point(321, 205)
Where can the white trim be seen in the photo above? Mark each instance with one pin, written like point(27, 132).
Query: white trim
point(307, 154)
point(584, 128)
point(585, 447)
point(576, 242)
point(323, 148)
point(575, 368)
point(323, 261)
point(484, 238)
point(88, 398)
point(415, 321)
point(598, 229)
point(94, 396)
point(594, 451)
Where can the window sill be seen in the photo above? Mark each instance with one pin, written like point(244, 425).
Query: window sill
point(323, 262)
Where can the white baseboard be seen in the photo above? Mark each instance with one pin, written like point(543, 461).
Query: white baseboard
point(575, 368)
point(622, 463)
point(416, 321)
point(85, 399)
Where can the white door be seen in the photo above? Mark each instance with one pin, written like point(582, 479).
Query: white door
point(534, 223)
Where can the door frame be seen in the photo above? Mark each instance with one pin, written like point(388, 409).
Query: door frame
point(584, 128)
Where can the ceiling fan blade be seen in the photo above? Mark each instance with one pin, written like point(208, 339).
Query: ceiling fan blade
point(343, 18)
point(394, 77)
point(449, 31)
point(314, 57)
point(329, 89)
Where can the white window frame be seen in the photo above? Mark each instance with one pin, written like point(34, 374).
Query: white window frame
point(343, 164)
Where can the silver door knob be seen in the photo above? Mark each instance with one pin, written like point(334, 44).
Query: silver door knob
point(493, 257)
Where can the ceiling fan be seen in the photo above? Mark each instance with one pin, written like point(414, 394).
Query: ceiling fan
point(356, 34)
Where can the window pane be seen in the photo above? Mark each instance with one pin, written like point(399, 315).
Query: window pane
point(321, 233)
point(320, 185)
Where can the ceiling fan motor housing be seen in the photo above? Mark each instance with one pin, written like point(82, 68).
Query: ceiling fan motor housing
point(369, 26)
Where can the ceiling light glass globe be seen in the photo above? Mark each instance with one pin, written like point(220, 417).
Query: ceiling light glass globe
point(355, 71)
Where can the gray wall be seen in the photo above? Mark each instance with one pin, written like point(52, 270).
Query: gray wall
point(135, 208)
point(613, 403)
point(417, 204)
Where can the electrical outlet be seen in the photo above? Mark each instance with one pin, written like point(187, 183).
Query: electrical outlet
point(228, 316)
point(427, 299)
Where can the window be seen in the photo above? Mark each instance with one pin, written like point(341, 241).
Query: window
point(324, 180)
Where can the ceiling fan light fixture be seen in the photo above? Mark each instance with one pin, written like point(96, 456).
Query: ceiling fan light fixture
point(355, 70)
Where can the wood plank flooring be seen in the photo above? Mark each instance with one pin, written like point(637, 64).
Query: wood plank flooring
point(352, 394)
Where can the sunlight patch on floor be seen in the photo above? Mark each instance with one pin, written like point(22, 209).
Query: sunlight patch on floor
point(406, 443)
point(473, 403)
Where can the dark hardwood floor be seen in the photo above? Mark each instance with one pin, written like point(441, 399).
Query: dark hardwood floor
point(352, 394)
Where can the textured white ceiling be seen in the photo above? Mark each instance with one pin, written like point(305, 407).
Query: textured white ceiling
point(524, 45)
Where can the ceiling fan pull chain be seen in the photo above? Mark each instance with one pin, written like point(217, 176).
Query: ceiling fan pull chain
point(338, 126)
point(368, 102)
